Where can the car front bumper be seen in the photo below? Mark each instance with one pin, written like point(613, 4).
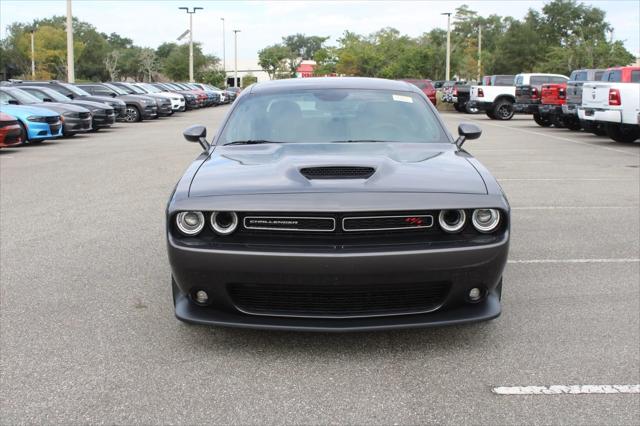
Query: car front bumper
point(570, 109)
point(41, 131)
point(76, 125)
point(104, 119)
point(214, 270)
point(150, 112)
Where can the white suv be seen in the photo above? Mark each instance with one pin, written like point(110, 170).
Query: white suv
point(177, 100)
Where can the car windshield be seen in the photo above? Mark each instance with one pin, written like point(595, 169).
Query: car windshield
point(333, 115)
point(76, 90)
point(44, 92)
point(23, 97)
point(135, 89)
point(149, 88)
point(116, 89)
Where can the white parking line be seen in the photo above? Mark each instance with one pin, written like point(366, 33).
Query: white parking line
point(573, 207)
point(629, 260)
point(563, 389)
point(551, 135)
point(565, 179)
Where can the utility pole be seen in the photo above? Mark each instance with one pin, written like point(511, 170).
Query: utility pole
point(33, 54)
point(448, 44)
point(190, 39)
point(235, 47)
point(479, 54)
point(71, 74)
point(224, 51)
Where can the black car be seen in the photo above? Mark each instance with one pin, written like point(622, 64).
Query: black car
point(102, 115)
point(75, 119)
point(191, 100)
point(164, 104)
point(138, 107)
point(75, 93)
point(336, 204)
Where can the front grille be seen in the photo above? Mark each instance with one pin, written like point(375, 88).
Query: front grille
point(337, 172)
point(53, 119)
point(338, 300)
point(288, 223)
point(386, 223)
point(84, 115)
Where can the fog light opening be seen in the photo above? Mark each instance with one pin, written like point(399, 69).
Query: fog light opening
point(224, 223)
point(476, 294)
point(201, 297)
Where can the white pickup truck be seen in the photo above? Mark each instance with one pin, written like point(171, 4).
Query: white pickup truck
point(616, 105)
point(496, 99)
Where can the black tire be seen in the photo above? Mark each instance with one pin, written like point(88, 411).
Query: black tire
point(503, 110)
point(499, 290)
point(625, 133)
point(490, 114)
point(457, 107)
point(24, 136)
point(132, 114)
point(556, 120)
point(542, 121)
point(573, 124)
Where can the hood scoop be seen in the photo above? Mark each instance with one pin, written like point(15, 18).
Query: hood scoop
point(337, 172)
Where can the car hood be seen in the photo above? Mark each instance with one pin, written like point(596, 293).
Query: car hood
point(275, 168)
point(92, 105)
point(62, 108)
point(137, 98)
point(23, 111)
point(101, 99)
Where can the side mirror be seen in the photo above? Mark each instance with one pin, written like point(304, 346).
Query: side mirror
point(70, 96)
point(13, 102)
point(47, 100)
point(197, 133)
point(113, 95)
point(467, 131)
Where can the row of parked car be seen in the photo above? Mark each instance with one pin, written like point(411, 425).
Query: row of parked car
point(34, 111)
point(601, 101)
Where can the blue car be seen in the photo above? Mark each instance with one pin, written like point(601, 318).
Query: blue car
point(37, 124)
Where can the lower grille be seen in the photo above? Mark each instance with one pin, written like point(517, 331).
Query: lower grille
point(337, 172)
point(338, 301)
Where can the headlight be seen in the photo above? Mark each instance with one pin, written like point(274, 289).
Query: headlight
point(190, 223)
point(71, 115)
point(37, 119)
point(224, 223)
point(485, 220)
point(452, 220)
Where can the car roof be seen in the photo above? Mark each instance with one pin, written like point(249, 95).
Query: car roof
point(363, 83)
point(529, 74)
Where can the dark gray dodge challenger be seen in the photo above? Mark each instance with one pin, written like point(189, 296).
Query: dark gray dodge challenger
point(336, 204)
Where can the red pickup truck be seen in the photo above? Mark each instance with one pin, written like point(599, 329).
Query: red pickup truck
point(552, 97)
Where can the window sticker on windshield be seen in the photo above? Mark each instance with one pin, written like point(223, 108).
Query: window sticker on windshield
point(400, 98)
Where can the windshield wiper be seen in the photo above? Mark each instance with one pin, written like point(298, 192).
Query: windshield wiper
point(251, 142)
point(359, 140)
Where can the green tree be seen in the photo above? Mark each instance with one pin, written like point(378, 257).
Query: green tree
point(272, 59)
point(301, 47)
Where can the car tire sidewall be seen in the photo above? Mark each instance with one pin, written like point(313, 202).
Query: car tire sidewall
point(622, 133)
point(132, 114)
point(503, 110)
point(542, 122)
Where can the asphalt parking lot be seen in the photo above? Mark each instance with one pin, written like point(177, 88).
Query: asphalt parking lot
point(87, 332)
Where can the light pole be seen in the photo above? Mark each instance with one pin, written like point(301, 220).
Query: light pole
point(448, 43)
point(224, 51)
point(33, 54)
point(479, 54)
point(235, 47)
point(190, 39)
point(71, 74)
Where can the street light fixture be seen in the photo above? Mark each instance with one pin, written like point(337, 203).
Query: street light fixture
point(191, 38)
point(448, 43)
point(235, 47)
point(224, 50)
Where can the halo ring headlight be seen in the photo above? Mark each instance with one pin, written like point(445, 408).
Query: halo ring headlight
point(485, 220)
point(224, 223)
point(452, 220)
point(190, 223)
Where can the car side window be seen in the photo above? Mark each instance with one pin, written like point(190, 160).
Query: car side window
point(63, 90)
point(614, 75)
point(4, 98)
point(558, 80)
point(38, 94)
point(598, 75)
point(635, 76)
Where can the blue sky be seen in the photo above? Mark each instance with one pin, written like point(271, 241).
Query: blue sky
point(149, 23)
